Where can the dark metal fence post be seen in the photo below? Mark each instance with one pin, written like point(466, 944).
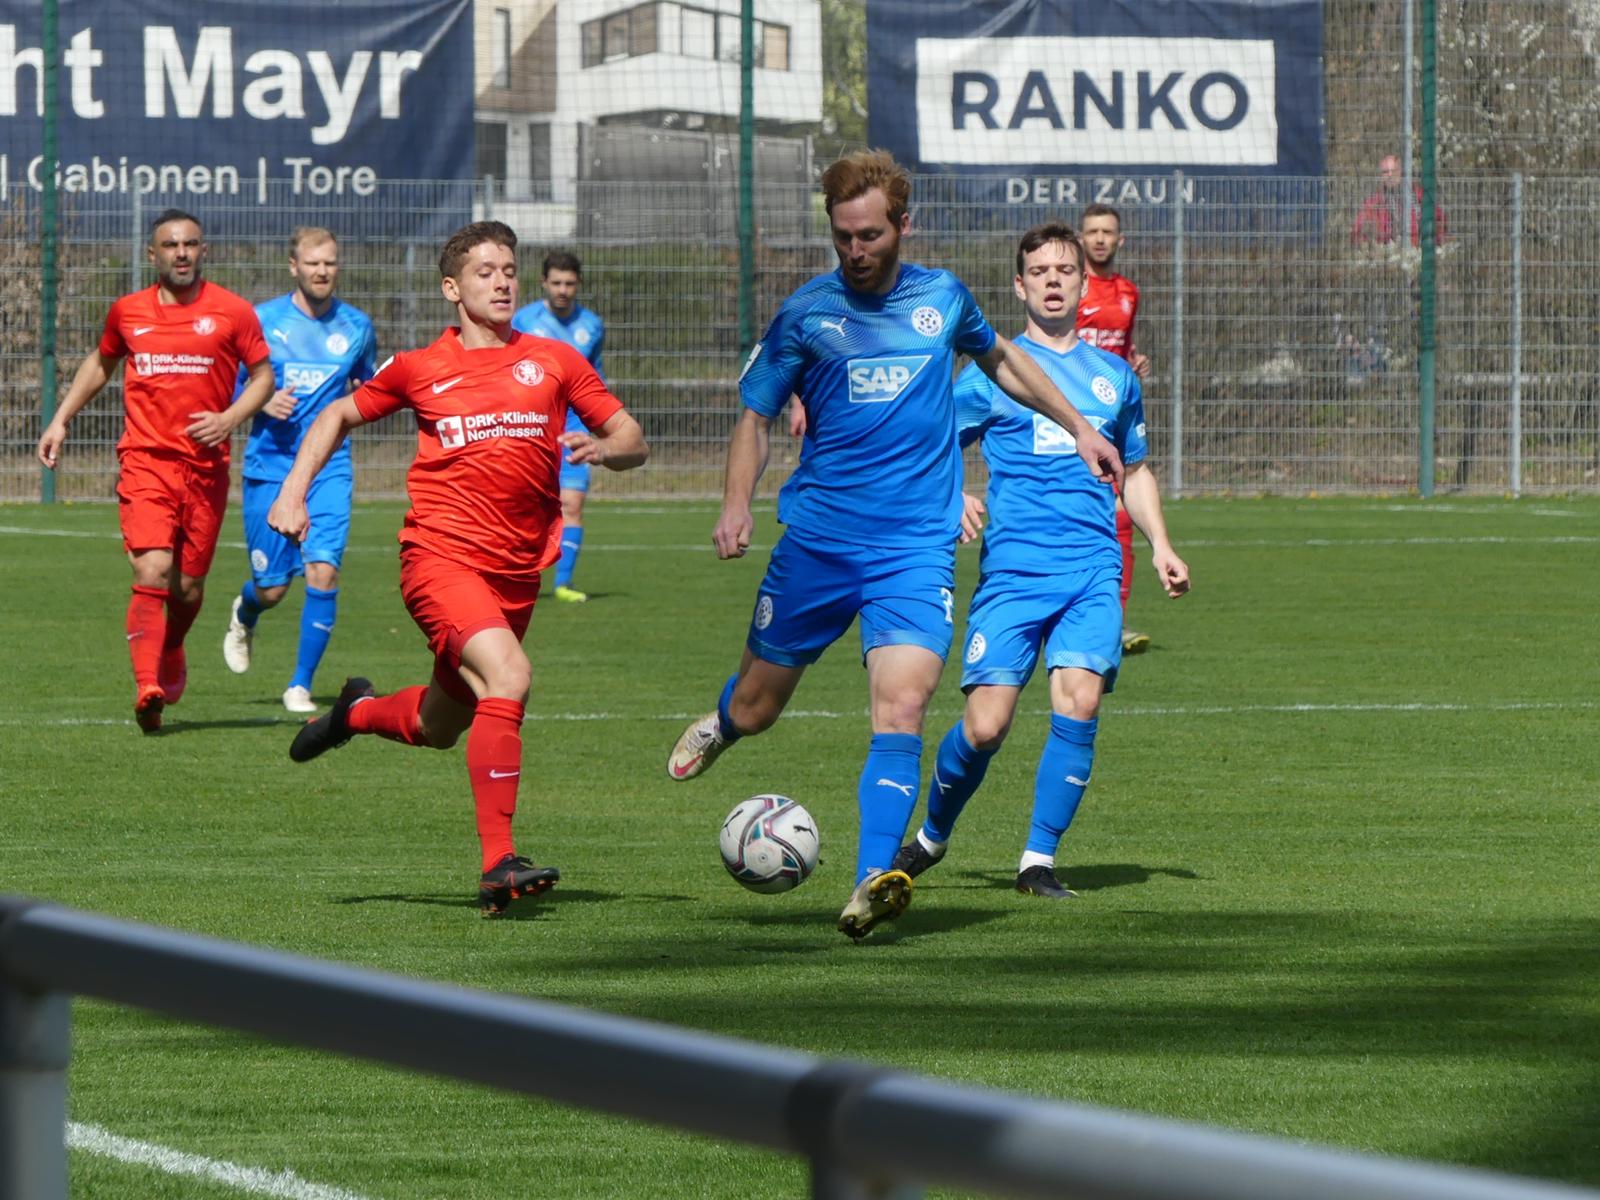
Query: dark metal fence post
point(35, 1044)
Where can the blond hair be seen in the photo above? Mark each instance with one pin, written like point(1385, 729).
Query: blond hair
point(313, 234)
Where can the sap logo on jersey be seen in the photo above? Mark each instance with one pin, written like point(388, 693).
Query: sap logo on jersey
point(879, 380)
point(1050, 438)
point(304, 378)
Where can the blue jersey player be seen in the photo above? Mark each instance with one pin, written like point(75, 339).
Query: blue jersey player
point(1051, 567)
point(321, 350)
point(874, 509)
point(560, 316)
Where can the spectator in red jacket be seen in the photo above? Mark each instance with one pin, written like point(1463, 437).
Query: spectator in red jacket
point(1381, 214)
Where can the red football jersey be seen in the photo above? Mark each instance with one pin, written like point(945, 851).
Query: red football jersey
point(1106, 313)
point(485, 485)
point(182, 359)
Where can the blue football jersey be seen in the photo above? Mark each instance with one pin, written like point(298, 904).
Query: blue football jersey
point(1047, 511)
point(584, 331)
point(319, 359)
point(880, 464)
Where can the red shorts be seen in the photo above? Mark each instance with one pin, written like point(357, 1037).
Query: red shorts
point(450, 602)
point(166, 503)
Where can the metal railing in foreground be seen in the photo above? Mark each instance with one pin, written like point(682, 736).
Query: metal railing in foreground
point(863, 1129)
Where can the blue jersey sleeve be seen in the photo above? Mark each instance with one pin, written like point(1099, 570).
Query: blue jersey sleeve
point(366, 364)
point(974, 335)
point(974, 392)
point(1132, 442)
point(773, 371)
point(599, 348)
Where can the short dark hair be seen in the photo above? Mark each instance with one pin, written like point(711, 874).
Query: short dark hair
point(462, 242)
point(561, 260)
point(1043, 235)
point(1102, 210)
point(172, 214)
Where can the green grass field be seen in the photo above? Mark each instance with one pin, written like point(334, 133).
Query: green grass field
point(1337, 865)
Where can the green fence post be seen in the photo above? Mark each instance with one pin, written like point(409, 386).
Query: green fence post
point(1426, 393)
point(747, 176)
point(47, 246)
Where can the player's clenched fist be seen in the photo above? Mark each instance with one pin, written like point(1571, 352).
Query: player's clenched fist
point(732, 534)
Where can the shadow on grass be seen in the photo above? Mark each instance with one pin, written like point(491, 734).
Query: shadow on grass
point(556, 897)
point(171, 727)
point(1079, 879)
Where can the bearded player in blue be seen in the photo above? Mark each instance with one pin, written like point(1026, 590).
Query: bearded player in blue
point(322, 349)
point(874, 508)
point(1051, 567)
point(560, 316)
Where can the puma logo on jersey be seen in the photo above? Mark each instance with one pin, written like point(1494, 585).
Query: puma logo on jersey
point(439, 388)
point(880, 380)
point(280, 335)
point(836, 326)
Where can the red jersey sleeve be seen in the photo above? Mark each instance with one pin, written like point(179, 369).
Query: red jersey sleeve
point(111, 343)
point(386, 392)
point(586, 394)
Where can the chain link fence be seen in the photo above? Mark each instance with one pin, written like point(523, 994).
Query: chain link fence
point(1283, 331)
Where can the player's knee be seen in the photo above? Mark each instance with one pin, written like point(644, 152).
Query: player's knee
point(985, 731)
point(899, 714)
point(322, 576)
point(269, 597)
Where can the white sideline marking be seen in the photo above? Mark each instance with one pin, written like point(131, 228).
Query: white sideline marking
point(285, 1185)
point(822, 714)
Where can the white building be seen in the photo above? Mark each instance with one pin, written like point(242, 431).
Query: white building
point(547, 67)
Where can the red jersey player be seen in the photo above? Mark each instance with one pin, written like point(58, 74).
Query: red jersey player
point(490, 404)
point(1106, 314)
point(184, 340)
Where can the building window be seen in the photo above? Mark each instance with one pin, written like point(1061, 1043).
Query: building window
point(491, 157)
point(775, 48)
point(699, 33)
point(501, 48)
point(539, 161)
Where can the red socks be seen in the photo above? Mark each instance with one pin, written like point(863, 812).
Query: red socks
point(1125, 539)
point(397, 717)
point(494, 764)
point(180, 616)
point(147, 634)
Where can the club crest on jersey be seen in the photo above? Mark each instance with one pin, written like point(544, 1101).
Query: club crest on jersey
point(927, 320)
point(581, 336)
point(880, 380)
point(205, 325)
point(1050, 438)
point(451, 432)
point(337, 343)
point(258, 560)
point(976, 647)
point(763, 612)
point(528, 372)
point(1104, 390)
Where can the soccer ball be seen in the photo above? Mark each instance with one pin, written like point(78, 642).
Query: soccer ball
point(769, 843)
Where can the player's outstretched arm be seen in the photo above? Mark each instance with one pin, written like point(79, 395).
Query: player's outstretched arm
point(93, 373)
point(214, 428)
point(1018, 376)
point(327, 433)
point(618, 444)
point(747, 459)
point(1141, 496)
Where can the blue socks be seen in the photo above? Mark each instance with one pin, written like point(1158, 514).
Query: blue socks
point(724, 721)
point(571, 544)
point(886, 795)
point(1058, 786)
point(250, 609)
point(957, 772)
point(316, 627)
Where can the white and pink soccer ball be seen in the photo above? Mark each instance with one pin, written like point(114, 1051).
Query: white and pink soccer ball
point(769, 843)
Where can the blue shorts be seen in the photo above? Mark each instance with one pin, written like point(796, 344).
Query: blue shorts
point(574, 478)
point(813, 590)
point(274, 559)
point(1076, 619)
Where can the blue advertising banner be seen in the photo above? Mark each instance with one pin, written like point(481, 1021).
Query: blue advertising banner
point(311, 104)
point(1065, 102)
